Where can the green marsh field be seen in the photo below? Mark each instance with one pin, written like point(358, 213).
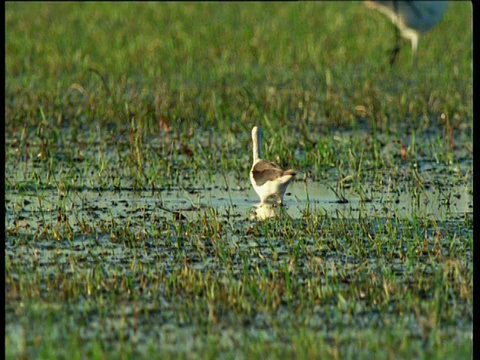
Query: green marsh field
point(130, 226)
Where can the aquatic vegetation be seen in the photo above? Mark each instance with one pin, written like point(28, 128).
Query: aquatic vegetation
point(129, 215)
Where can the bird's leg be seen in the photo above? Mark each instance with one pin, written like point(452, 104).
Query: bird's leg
point(396, 50)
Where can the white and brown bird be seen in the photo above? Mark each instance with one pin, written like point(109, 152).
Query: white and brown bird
point(269, 180)
point(412, 18)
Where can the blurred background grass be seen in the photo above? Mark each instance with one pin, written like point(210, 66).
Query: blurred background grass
point(80, 71)
point(193, 61)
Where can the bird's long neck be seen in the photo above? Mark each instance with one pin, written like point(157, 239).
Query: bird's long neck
point(257, 144)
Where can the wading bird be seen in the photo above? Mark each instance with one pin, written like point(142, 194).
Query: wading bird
point(412, 18)
point(268, 179)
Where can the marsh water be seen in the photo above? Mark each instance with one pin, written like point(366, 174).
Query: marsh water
point(230, 196)
point(238, 199)
point(55, 215)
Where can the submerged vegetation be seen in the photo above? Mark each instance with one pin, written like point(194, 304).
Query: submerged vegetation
point(129, 229)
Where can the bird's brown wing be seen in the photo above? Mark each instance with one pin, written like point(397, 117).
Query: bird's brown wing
point(264, 171)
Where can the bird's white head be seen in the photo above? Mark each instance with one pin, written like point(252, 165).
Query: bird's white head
point(256, 132)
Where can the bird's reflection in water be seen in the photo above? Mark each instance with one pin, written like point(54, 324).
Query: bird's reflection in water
point(265, 210)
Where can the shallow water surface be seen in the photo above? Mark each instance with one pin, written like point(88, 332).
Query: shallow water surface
point(237, 198)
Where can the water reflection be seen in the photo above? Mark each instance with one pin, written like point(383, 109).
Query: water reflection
point(263, 211)
point(439, 200)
